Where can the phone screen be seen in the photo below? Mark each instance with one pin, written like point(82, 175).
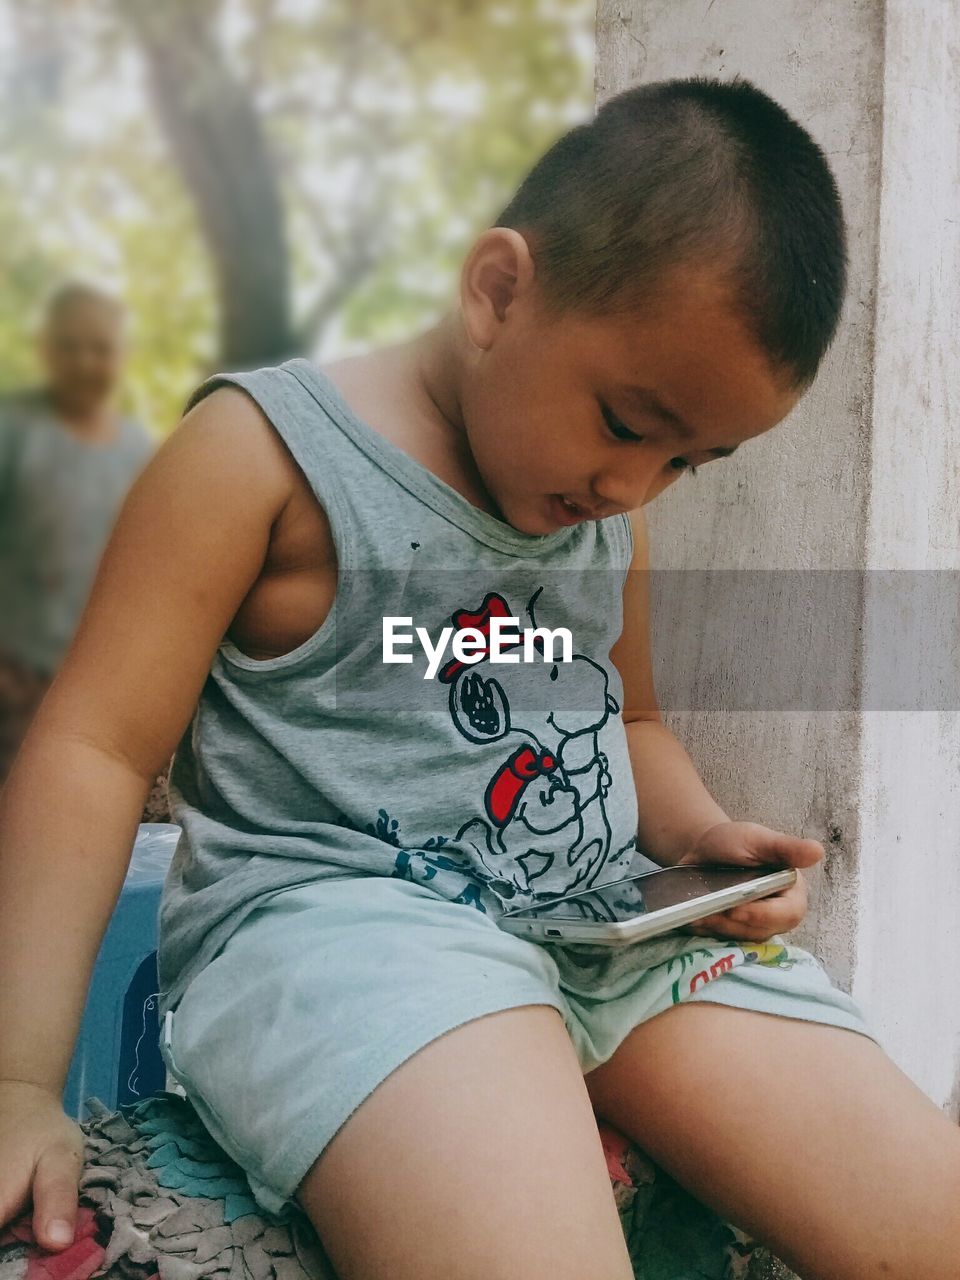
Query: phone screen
point(639, 895)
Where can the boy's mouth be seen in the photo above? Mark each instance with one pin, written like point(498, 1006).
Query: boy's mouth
point(569, 512)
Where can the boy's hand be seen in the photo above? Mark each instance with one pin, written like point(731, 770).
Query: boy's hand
point(41, 1159)
point(748, 844)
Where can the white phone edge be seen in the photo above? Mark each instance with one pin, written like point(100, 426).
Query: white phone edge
point(617, 933)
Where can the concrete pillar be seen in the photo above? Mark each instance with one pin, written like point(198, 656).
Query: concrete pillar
point(850, 506)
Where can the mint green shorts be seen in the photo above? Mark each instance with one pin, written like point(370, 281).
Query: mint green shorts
point(327, 988)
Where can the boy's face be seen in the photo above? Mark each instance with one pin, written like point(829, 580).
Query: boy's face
point(602, 412)
point(83, 348)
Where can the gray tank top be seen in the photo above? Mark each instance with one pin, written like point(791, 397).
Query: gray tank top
point(498, 781)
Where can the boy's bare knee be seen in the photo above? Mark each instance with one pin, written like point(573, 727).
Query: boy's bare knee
point(795, 1123)
point(478, 1157)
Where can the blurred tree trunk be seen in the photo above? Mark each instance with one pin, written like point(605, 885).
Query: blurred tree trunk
point(219, 145)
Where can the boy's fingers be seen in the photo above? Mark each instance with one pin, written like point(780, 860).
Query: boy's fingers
point(757, 920)
point(11, 1205)
point(794, 851)
point(55, 1182)
point(782, 910)
point(735, 932)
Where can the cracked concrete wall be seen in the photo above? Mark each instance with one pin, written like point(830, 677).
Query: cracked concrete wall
point(863, 475)
point(909, 904)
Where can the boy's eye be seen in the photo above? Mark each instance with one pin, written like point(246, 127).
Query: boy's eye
point(616, 427)
point(622, 432)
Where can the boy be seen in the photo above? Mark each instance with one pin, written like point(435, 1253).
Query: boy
point(346, 1015)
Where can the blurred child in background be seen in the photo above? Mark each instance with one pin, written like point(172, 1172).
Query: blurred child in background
point(67, 459)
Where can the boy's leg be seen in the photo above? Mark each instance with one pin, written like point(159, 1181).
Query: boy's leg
point(805, 1135)
point(479, 1158)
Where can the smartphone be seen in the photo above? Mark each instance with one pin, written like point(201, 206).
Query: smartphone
point(644, 906)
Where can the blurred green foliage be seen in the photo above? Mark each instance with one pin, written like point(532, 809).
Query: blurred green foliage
point(397, 131)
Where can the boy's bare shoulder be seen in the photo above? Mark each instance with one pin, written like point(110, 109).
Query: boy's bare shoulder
point(228, 432)
point(228, 441)
point(217, 537)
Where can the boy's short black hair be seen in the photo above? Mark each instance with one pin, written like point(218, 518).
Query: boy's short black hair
point(684, 171)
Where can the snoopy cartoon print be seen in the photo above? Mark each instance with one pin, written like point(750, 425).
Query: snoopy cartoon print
point(544, 827)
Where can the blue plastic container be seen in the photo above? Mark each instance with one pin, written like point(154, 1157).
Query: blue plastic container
point(117, 1056)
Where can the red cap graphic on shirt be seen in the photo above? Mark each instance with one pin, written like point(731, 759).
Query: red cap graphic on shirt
point(493, 605)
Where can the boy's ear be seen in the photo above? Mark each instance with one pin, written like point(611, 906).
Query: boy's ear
point(497, 271)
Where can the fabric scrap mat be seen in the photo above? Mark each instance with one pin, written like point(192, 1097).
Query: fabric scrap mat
point(160, 1200)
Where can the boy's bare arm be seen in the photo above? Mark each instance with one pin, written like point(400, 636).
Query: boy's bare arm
point(188, 546)
point(674, 806)
point(678, 819)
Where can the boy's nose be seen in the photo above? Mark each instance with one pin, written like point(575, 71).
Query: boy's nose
point(627, 488)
